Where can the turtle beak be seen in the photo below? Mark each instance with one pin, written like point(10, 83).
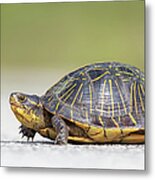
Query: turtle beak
point(13, 98)
point(18, 109)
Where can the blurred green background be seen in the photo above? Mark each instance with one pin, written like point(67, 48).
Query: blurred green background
point(69, 35)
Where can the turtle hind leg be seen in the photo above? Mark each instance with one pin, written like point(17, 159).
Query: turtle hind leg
point(61, 130)
point(29, 133)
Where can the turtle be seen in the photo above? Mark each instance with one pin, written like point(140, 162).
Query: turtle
point(97, 103)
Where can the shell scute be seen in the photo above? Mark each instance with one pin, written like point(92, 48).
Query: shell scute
point(103, 94)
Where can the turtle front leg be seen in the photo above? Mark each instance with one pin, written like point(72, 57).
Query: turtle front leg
point(61, 130)
point(29, 133)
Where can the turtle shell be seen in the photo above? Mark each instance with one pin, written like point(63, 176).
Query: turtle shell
point(102, 94)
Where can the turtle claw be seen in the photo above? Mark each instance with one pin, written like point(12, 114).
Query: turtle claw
point(20, 131)
point(22, 136)
point(29, 133)
point(20, 127)
point(29, 138)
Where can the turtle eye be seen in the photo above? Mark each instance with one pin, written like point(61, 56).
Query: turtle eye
point(21, 98)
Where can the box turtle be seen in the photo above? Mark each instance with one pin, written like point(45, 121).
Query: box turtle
point(98, 103)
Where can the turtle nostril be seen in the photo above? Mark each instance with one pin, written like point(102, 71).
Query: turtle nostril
point(12, 94)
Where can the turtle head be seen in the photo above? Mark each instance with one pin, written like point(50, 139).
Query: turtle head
point(28, 110)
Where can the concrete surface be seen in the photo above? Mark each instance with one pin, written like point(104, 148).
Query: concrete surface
point(45, 154)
